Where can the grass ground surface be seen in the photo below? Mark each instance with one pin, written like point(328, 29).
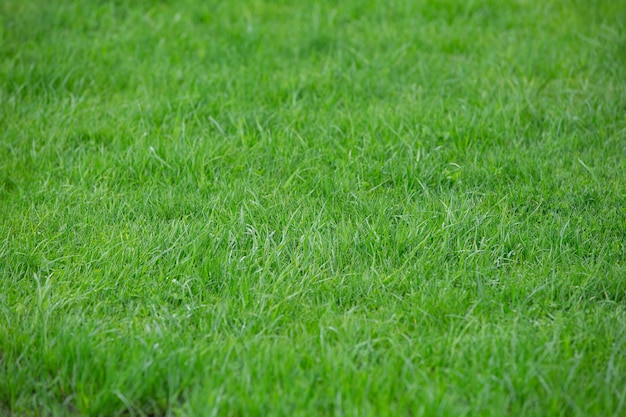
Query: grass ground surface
point(411, 208)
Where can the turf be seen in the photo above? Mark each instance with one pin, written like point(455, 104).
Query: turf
point(293, 208)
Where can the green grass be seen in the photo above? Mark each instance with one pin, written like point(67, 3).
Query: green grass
point(411, 208)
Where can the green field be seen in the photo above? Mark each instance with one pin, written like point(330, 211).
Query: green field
point(313, 208)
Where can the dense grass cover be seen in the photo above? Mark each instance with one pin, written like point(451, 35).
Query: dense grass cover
point(401, 207)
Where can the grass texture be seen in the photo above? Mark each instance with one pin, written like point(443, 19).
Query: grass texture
point(291, 208)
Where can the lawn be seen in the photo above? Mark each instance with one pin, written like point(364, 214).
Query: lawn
point(292, 208)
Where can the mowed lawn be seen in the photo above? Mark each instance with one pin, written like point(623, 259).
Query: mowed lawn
point(313, 208)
